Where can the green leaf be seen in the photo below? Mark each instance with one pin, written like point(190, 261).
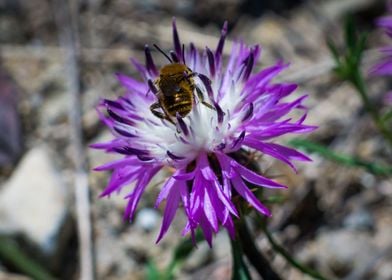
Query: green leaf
point(387, 116)
point(334, 51)
point(240, 270)
point(350, 33)
point(289, 258)
point(10, 252)
point(348, 68)
point(340, 158)
point(274, 199)
point(152, 272)
point(185, 248)
point(360, 47)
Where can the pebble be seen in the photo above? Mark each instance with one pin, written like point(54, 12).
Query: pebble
point(147, 219)
point(33, 201)
point(360, 220)
point(338, 253)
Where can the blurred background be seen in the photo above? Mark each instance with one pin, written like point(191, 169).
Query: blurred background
point(58, 58)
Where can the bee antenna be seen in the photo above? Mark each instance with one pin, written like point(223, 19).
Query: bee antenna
point(183, 53)
point(162, 52)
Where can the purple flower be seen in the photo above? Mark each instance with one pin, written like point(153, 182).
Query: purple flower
point(384, 67)
point(206, 148)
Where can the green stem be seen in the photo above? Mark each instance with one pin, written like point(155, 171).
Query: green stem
point(357, 80)
point(240, 270)
point(279, 249)
point(341, 158)
point(10, 252)
point(255, 257)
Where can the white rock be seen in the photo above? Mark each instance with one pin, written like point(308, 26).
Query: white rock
point(338, 253)
point(33, 201)
point(147, 219)
point(360, 219)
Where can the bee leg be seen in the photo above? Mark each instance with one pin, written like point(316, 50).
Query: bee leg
point(201, 76)
point(154, 109)
point(201, 98)
point(152, 87)
point(191, 74)
point(205, 81)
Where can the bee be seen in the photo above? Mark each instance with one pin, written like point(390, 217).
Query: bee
point(175, 90)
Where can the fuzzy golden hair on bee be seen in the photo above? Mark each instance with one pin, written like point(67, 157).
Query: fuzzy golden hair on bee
point(175, 89)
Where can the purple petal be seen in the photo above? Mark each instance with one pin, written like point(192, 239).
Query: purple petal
point(174, 57)
point(118, 164)
point(248, 66)
point(243, 190)
point(248, 113)
point(150, 62)
point(209, 209)
point(206, 228)
point(174, 157)
point(173, 201)
point(141, 69)
point(262, 78)
point(279, 129)
point(193, 56)
point(131, 84)
point(184, 176)
point(219, 112)
point(215, 187)
point(176, 39)
point(221, 211)
point(166, 189)
point(119, 118)
point(182, 124)
point(224, 199)
point(281, 110)
point(253, 177)
point(281, 153)
point(112, 103)
point(211, 61)
point(204, 167)
point(238, 141)
point(126, 150)
point(207, 84)
point(383, 68)
point(227, 169)
point(219, 48)
point(118, 179)
point(282, 90)
point(288, 152)
point(123, 132)
point(109, 145)
point(135, 196)
point(196, 194)
point(229, 225)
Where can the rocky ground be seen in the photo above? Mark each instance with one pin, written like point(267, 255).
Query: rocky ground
point(333, 218)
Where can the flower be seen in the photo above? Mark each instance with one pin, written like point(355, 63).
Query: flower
point(207, 147)
point(384, 67)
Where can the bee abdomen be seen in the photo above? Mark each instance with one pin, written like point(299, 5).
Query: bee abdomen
point(182, 107)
